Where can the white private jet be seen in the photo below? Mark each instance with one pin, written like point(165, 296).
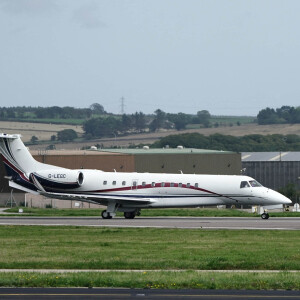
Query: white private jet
point(130, 192)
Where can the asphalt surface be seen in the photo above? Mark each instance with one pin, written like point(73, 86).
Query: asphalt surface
point(289, 223)
point(99, 293)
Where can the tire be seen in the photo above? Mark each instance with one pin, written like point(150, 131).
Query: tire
point(265, 216)
point(105, 215)
point(129, 214)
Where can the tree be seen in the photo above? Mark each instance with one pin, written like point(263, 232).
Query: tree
point(139, 121)
point(180, 120)
point(204, 117)
point(158, 121)
point(126, 122)
point(97, 109)
point(99, 127)
point(34, 139)
point(67, 135)
point(285, 114)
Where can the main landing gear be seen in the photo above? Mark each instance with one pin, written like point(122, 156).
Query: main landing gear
point(264, 216)
point(129, 214)
point(106, 214)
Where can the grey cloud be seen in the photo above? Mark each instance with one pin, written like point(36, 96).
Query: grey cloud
point(87, 16)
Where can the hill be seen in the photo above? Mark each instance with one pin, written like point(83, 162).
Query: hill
point(149, 138)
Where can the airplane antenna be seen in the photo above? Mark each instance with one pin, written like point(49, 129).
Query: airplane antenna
point(115, 170)
point(180, 171)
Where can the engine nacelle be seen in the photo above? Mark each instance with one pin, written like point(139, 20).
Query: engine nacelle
point(60, 178)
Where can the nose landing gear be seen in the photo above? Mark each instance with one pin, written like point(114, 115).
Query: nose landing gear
point(105, 215)
point(264, 216)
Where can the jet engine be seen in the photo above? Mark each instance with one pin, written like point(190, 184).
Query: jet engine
point(59, 178)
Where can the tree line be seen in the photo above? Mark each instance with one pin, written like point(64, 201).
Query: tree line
point(285, 114)
point(139, 122)
point(247, 143)
point(52, 112)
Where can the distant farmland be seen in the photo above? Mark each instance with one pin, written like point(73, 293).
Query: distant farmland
point(40, 130)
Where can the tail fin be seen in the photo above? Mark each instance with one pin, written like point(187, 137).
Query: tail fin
point(19, 163)
point(16, 156)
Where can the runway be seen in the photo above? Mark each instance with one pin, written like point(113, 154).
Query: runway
point(104, 293)
point(289, 223)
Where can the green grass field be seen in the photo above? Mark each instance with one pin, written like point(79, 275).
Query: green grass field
point(225, 121)
point(156, 280)
point(232, 119)
point(184, 212)
point(147, 248)
point(158, 252)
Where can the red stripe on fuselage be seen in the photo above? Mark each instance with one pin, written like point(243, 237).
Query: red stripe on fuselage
point(157, 185)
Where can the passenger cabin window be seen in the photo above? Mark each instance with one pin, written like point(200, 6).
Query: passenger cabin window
point(104, 182)
point(196, 185)
point(244, 184)
point(134, 183)
point(188, 185)
point(180, 184)
point(153, 184)
point(123, 182)
point(254, 183)
point(162, 184)
point(114, 182)
point(143, 183)
point(172, 184)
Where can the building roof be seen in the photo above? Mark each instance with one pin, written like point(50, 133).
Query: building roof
point(270, 156)
point(165, 151)
point(126, 151)
point(71, 152)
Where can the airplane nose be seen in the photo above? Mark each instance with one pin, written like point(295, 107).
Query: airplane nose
point(279, 198)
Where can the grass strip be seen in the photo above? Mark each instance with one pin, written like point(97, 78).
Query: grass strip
point(55, 247)
point(184, 212)
point(156, 280)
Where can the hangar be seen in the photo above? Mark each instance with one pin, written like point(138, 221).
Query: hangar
point(164, 160)
point(273, 169)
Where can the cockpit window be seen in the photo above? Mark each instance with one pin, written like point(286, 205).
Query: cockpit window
point(244, 184)
point(254, 183)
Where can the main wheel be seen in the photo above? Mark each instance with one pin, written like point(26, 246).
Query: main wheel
point(265, 216)
point(105, 215)
point(129, 214)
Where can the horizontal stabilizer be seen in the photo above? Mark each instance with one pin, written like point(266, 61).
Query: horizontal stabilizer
point(9, 136)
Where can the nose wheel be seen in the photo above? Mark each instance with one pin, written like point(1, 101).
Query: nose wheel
point(265, 216)
point(106, 215)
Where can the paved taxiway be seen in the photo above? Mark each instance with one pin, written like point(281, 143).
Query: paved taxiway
point(99, 293)
point(161, 222)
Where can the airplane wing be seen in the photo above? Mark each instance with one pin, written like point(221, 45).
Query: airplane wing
point(97, 199)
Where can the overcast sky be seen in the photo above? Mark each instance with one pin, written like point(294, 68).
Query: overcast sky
point(228, 57)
